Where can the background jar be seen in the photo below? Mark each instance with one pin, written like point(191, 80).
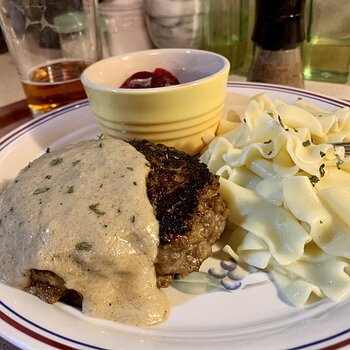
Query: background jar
point(123, 27)
point(175, 23)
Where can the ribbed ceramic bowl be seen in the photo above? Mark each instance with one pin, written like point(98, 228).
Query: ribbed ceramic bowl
point(178, 115)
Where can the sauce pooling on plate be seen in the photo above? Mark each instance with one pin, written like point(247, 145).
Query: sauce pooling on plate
point(83, 213)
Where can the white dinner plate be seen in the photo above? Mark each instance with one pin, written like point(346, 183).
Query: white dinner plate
point(252, 317)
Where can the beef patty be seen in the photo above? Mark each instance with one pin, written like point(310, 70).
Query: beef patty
point(190, 211)
point(188, 206)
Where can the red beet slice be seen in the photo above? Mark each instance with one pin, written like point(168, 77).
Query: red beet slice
point(162, 77)
point(142, 80)
point(139, 80)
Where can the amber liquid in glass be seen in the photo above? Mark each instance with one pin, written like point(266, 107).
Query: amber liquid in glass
point(54, 85)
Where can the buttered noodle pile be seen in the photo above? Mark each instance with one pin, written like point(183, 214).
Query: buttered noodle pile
point(288, 192)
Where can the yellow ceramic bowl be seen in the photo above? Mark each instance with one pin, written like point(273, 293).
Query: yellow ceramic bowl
point(177, 115)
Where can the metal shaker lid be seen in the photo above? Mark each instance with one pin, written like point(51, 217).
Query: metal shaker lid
point(279, 24)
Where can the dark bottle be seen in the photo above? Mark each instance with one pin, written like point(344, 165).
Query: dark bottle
point(278, 34)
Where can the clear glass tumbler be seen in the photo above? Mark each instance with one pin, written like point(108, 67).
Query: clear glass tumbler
point(51, 42)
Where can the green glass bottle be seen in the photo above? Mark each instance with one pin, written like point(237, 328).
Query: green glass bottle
point(225, 29)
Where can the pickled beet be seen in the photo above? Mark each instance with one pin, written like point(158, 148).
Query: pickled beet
point(159, 78)
point(162, 77)
point(139, 80)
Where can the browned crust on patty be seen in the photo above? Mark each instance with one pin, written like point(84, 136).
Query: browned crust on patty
point(187, 203)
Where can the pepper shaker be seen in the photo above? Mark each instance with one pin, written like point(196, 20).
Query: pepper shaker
point(278, 34)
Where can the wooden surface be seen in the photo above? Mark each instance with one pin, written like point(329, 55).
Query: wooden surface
point(12, 116)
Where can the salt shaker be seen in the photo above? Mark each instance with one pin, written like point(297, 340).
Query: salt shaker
point(278, 34)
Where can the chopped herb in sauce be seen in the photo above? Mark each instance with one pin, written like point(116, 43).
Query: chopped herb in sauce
point(29, 164)
point(48, 150)
point(321, 169)
point(148, 165)
point(267, 142)
point(130, 168)
point(339, 161)
point(244, 120)
point(306, 143)
point(269, 153)
point(83, 246)
point(321, 222)
point(100, 145)
point(295, 130)
point(41, 190)
point(322, 154)
point(135, 183)
point(94, 208)
point(314, 179)
point(48, 177)
point(76, 162)
point(101, 136)
point(132, 219)
point(56, 161)
point(70, 189)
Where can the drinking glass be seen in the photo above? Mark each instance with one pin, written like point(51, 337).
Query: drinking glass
point(225, 29)
point(326, 50)
point(51, 43)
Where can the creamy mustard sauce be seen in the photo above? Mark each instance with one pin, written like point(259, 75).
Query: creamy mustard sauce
point(83, 213)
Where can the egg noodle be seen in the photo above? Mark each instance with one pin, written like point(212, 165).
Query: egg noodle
point(288, 192)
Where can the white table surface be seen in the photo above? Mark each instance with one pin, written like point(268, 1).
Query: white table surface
point(11, 89)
